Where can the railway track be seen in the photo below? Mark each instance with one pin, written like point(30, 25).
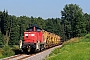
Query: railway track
point(35, 56)
point(18, 57)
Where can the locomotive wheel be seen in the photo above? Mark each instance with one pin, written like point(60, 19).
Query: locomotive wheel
point(25, 51)
point(28, 49)
point(42, 47)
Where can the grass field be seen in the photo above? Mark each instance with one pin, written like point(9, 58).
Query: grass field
point(74, 49)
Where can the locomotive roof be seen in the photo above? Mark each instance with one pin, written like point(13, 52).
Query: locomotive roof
point(34, 25)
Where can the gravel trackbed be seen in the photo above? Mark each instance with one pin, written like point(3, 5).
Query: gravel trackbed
point(42, 55)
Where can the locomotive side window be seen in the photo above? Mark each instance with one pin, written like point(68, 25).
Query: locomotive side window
point(29, 29)
point(38, 30)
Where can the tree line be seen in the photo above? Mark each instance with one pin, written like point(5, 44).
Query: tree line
point(73, 23)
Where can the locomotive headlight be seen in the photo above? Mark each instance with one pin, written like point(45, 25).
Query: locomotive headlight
point(32, 34)
point(26, 34)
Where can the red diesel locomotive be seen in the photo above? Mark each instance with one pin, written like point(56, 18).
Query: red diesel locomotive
point(36, 39)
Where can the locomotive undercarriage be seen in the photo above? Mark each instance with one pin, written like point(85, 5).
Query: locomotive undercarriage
point(31, 47)
point(28, 47)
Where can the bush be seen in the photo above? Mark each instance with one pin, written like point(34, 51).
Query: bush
point(86, 38)
point(7, 51)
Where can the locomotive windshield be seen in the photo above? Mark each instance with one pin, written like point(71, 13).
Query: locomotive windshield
point(37, 29)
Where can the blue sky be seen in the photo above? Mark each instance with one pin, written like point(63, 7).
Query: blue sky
point(41, 8)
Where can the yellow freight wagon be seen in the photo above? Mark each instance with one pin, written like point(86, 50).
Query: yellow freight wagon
point(50, 39)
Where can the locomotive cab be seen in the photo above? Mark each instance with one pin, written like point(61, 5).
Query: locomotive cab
point(33, 38)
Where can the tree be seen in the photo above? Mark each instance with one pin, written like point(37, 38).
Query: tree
point(0, 19)
point(73, 21)
point(5, 26)
point(1, 39)
point(15, 31)
point(87, 18)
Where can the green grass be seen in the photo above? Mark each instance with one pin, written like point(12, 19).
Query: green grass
point(73, 50)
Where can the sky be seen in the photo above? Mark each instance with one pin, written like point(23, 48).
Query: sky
point(40, 8)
